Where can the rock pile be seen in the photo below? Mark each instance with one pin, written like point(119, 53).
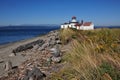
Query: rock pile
point(51, 40)
point(56, 57)
point(34, 74)
point(37, 66)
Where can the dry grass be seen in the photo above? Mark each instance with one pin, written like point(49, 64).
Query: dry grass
point(95, 55)
point(66, 35)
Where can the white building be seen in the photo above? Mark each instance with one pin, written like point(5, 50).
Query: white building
point(80, 26)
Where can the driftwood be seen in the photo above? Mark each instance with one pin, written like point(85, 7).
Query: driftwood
point(28, 46)
point(8, 65)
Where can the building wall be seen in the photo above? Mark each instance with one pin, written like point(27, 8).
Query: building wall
point(91, 27)
point(62, 26)
point(65, 26)
point(72, 25)
point(78, 27)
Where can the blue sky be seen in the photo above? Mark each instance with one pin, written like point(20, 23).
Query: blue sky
point(100, 12)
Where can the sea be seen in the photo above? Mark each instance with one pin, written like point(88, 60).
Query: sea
point(10, 34)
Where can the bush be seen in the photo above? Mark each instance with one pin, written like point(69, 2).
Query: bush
point(109, 69)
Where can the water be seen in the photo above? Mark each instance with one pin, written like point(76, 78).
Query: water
point(15, 33)
point(110, 27)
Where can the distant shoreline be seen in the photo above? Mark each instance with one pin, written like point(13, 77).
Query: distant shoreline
point(110, 27)
point(22, 39)
point(96, 27)
point(11, 34)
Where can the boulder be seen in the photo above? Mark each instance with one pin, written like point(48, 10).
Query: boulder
point(55, 51)
point(58, 42)
point(56, 59)
point(12, 55)
point(34, 74)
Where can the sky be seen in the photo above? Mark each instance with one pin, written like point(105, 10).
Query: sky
point(20, 12)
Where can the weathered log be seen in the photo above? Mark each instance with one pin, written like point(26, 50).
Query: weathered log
point(28, 46)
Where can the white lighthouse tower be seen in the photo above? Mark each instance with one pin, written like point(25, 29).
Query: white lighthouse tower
point(71, 23)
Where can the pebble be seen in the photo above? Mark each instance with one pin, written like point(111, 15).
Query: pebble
point(56, 59)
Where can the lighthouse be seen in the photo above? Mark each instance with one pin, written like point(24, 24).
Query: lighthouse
point(73, 19)
point(78, 25)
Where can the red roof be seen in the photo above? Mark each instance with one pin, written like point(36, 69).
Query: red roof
point(87, 23)
point(77, 24)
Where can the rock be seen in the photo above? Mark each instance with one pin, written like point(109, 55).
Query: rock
point(45, 45)
point(55, 51)
point(34, 74)
point(58, 42)
point(1, 60)
point(12, 55)
point(8, 65)
point(56, 59)
point(35, 47)
point(49, 60)
point(52, 37)
point(57, 37)
point(42, 47)
point(52, 43)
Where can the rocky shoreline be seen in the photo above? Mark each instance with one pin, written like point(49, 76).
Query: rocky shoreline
point(33, 59)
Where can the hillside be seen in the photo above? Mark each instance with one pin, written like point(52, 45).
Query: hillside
point(76, 55)
point(93, 55)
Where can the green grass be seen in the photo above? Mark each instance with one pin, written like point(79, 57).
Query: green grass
point(109, 69)
point(94, 55)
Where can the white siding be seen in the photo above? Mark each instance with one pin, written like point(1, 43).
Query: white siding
point(78, 27)
point(66, 26)
point(72, 25)
point(62, 26)
point(91, 27)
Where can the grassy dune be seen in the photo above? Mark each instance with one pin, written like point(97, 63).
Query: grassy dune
point(94, 55)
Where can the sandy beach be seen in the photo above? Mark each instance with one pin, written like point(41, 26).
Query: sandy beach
point(6, 51)
point(44, 56)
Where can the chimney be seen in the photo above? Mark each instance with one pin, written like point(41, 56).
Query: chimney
point(81, 21)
